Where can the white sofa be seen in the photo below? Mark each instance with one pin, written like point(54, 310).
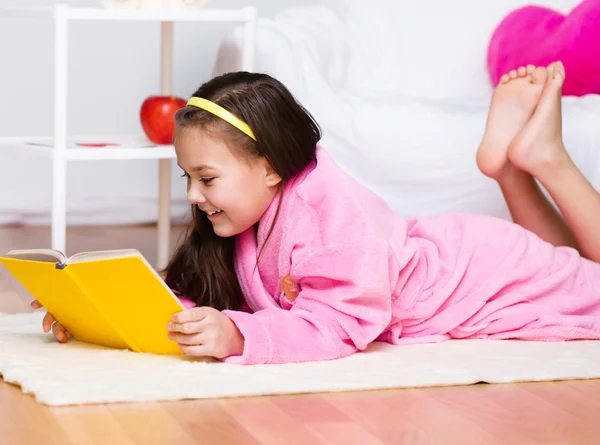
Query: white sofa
point(401, 91)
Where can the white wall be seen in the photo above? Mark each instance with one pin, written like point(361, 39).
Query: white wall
point(114, 66)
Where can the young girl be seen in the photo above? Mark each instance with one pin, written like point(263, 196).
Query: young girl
point(290, 259)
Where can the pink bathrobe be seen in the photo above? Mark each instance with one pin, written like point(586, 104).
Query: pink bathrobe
point(364, 273)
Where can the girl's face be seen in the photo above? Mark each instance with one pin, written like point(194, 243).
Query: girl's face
point(233, 191)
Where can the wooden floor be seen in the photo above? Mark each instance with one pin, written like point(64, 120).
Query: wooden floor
point(539, 413)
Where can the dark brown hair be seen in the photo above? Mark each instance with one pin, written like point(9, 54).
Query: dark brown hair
point(202, 268)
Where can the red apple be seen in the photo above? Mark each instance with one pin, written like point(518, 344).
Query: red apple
point(157, 117)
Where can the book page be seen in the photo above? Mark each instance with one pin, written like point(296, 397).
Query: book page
point(43, 255)
point(102, 255)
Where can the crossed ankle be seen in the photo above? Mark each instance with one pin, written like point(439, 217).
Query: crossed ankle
point(553, 166)
point(538, 158)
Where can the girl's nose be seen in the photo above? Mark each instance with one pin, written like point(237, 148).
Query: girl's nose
point(195, 196)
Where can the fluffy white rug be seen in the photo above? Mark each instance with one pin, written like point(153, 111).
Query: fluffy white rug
point(76, 373)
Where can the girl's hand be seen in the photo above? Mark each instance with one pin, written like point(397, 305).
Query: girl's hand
point(49, 323)
point(206, 332)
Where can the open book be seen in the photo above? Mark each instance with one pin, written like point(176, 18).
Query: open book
point(112, 298)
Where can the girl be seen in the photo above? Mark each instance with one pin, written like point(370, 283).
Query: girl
point(289, 259)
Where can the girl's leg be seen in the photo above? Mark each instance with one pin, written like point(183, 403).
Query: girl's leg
point(513, 104)
point(530, 208)
point(538, 150)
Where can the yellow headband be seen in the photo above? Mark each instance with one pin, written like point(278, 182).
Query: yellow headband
point(221, 112)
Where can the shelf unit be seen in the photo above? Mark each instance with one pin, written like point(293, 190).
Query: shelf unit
point(62, 148)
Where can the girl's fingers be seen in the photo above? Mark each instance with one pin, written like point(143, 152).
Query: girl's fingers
point(59, 332)
point(186, 339)
point(50, 324)
point(195, 351)
point(47, 322)
point(190, 327)
point(192, 315)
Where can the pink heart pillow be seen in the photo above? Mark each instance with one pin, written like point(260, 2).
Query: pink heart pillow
point(539, 36)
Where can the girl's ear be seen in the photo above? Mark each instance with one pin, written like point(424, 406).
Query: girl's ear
point(272, 179)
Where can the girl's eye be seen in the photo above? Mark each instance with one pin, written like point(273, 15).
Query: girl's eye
point(185, 175)
point(206, 180)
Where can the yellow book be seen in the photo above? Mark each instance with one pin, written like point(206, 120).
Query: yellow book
point(112, 298)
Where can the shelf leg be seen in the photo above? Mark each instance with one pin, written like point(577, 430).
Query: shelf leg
point(164, 165)
point(59, 158)
point(59, 204)
point(249, 45)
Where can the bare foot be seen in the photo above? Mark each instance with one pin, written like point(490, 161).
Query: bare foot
point(539, 147)
point(513, 103)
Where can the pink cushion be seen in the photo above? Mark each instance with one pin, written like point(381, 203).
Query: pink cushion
point(539, 36)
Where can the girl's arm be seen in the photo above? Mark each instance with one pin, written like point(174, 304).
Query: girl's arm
point(344, 304)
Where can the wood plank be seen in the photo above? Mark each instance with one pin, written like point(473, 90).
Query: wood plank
point(24, 421)
point(208, 423)
point(13, 303)
point(347, 433)
point(408, 416)
point(510, 413)
point(268, 423)
point(149, 423)
point(93, 425)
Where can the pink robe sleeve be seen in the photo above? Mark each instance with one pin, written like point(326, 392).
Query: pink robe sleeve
point(344, 304)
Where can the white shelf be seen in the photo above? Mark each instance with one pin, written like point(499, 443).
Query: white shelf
point(60, 147)
point(188, 15)
point(25, 12)
point(129, 147)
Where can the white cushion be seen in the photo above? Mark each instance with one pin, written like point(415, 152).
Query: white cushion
point(444, 45)
point(407, 130)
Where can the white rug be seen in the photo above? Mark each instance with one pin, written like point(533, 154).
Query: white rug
point(76, 373)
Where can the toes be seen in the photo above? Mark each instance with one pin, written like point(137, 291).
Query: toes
point(554, 80)
point(532, 73)
point(539, 75)
point(558, 68)
point(558, 72)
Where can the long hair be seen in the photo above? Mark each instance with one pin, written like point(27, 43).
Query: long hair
point(203, 268)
